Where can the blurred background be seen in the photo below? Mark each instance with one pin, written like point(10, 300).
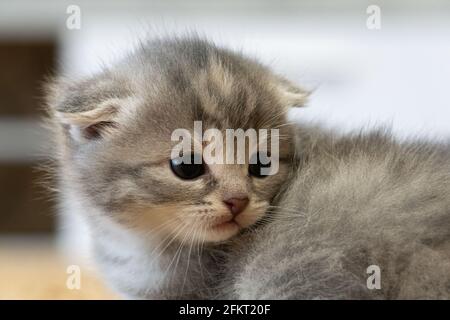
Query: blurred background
point(368, 62)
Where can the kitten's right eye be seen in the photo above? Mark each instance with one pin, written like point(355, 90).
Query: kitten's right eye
point(186, 170)
point(255, 169)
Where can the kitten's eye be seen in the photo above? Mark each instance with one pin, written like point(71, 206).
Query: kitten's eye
point(255, 169)
point(186, 170)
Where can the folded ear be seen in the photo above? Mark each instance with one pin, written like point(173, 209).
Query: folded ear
point(92, 124)
point(290, 94)
point(86, 110)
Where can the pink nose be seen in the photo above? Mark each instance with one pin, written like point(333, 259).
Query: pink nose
point(236, 205)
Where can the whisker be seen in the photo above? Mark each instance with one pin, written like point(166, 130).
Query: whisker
point(176, 256)
point(178, 228)
point(189, 255)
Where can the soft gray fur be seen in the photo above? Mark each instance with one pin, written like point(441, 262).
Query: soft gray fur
point(361, 200)
point(338, 204)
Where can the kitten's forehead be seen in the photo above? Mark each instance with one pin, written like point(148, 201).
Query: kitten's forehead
point(223, 91)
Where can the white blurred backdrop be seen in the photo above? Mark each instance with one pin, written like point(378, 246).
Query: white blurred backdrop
point(398, 74)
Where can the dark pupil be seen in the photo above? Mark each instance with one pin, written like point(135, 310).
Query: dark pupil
point(186, 170)
point(255, 169)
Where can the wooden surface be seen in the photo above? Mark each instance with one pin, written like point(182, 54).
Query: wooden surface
point(33, 269)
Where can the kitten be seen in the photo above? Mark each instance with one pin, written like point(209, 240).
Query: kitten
point(160, 230)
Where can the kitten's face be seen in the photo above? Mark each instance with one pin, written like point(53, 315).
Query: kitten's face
point(117, 147)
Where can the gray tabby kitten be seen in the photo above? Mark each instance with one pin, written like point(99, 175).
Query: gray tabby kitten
point(337, 205)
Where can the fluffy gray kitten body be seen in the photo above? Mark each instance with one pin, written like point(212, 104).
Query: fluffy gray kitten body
point(337, 205)
point(361, 200)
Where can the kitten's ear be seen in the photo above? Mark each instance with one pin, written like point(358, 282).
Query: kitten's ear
point(290, 94)
point(92, 124)
point(86, 110)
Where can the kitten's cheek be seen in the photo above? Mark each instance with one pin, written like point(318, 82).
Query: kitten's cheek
point(246, 220)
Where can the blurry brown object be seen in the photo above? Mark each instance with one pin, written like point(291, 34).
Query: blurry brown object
point(24, 207)
point(23, 67)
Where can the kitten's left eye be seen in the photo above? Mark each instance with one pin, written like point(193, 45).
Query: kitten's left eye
point(256, 168)
point(186, 170)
